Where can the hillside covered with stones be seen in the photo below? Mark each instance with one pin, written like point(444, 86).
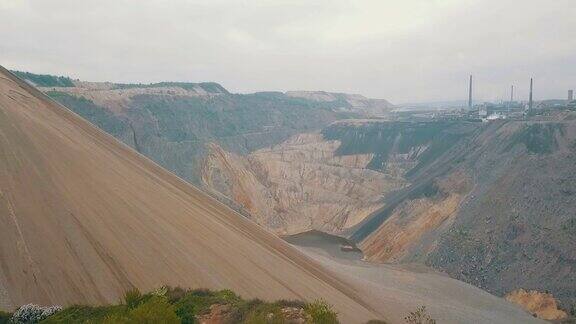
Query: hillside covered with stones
point(493, 205)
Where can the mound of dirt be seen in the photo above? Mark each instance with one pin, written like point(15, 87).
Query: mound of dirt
point(542, 305)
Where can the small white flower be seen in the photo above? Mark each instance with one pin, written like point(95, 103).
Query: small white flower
point(32, 313)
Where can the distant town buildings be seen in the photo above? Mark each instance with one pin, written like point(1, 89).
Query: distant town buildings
point(513, 108)
point(483, 110)
point(488, 111)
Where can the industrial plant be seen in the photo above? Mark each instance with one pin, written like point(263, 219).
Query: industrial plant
point(485, 111)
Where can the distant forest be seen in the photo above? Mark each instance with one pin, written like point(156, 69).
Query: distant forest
point(45, 80)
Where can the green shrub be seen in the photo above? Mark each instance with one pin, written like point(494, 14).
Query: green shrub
point(45, 80)
point(227, 296)
point(4, 317)
point(196, 302)
point(155, 310)
point(176, 305)
point(263, 313)
point(291, 303)
point(247, 307)
point(321, 312)
point(174, 294)
point(256, 311)
point(85, 314)
point(132, 298)
point(193, 303)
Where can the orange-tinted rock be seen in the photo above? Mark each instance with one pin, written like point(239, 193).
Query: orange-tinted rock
point(543, 305)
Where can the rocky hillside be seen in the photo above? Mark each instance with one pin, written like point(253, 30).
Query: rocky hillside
point(300, 184)
point(328, 181)
point(491, 204)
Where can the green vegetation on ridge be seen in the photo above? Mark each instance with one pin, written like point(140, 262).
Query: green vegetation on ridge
point(209, 87)
point(177, 305)
point(45, 80)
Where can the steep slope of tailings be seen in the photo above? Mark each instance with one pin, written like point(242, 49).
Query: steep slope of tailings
point(83, 218)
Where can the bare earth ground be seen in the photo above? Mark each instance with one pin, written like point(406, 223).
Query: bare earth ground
point(397, 290)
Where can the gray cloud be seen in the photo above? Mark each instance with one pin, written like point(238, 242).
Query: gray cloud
point(402, 50)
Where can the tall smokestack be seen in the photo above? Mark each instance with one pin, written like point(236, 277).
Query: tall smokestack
point(511, 98)
point(470, 94)
point(530, 102)
point(511, 94)
point(570, 95)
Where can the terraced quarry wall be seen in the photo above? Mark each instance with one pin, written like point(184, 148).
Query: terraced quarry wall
point(300, 184)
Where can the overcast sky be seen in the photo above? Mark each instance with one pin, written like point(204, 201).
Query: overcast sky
point(401, 50)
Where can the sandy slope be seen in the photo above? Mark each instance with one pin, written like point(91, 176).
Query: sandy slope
point(397, 290)
point(84, 218)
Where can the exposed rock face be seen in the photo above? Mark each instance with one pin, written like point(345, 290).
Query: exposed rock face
point(415, 220)
point(543, 305)
point(300, 184)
